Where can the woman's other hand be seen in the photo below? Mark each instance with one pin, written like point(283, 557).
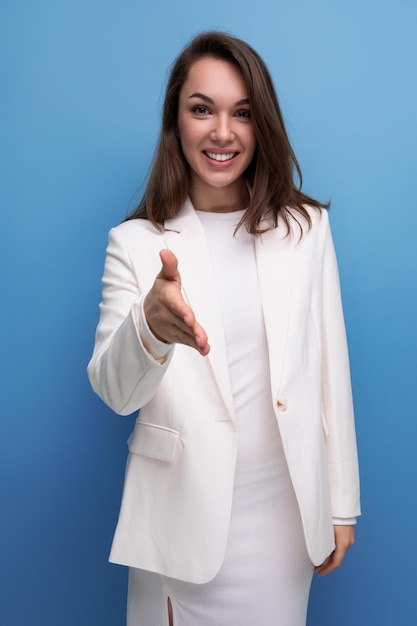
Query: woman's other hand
point(169, 317)
point(344, 538)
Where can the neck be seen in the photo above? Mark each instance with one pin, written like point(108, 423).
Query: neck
point(222, 200)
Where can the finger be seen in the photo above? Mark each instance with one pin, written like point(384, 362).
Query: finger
point(184, 336)
point(333, 562)
point(319, 569)
point(344, 538)
point(326, 568)
point(169, 270)
point(179, 307)
point(185, 319)
point(200, 338)
point(193, 335)
point(174, 321)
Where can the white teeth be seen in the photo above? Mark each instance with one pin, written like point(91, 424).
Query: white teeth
point(221, 157)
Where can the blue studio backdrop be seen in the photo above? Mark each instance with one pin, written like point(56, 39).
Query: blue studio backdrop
point(82, 84)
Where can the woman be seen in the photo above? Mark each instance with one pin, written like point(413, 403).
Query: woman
point(221, 320)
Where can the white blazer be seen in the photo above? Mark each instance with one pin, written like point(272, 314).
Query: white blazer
point(176, 505)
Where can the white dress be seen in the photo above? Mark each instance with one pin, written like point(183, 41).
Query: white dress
point(266, 574)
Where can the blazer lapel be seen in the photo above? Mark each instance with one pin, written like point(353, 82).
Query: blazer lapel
point(275, 262)
point(184, 236)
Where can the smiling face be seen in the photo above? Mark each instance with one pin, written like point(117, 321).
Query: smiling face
point(216, 133)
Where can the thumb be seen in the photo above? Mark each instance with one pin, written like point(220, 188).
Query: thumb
point(169, 269)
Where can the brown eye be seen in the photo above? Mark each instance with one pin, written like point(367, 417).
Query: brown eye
point(244, 114)
point(200, 110)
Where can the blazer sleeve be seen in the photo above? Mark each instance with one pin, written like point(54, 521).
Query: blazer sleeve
point(337, 403)
point(121, 371)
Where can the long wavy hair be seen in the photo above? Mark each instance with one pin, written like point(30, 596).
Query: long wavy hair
point(270, 175)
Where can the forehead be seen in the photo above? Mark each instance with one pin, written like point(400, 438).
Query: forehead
point(214, 77)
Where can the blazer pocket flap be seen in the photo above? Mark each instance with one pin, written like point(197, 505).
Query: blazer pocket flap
point(156, 442)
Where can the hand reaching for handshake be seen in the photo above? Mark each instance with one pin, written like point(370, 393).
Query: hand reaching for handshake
point(168, 315)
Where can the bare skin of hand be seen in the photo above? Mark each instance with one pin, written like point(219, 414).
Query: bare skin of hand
point(344, 539)
point(169, 317)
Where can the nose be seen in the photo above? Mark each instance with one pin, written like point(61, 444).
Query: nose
point(222, 130)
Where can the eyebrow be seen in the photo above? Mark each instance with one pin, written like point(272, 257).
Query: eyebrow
point(197, 94)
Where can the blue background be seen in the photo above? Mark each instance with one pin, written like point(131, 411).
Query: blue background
point(82, 84)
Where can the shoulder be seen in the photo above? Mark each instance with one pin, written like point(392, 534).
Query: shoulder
point(318, 217)
point(135, 228)
point(311, 226)
point(135, 232)
point(133, 240)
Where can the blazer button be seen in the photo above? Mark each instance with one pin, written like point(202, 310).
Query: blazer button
point(281, 405)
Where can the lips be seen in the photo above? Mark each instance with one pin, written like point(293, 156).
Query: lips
point(220, 157)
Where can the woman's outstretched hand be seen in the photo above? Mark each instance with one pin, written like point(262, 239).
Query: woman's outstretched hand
point(169, 317)
point(344, 538)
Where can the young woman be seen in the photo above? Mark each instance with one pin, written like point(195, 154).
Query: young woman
point(221, 321)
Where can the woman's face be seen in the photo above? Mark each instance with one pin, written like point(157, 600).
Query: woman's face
point(215, 126)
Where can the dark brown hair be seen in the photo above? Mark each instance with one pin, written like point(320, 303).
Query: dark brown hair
point(271, 172)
